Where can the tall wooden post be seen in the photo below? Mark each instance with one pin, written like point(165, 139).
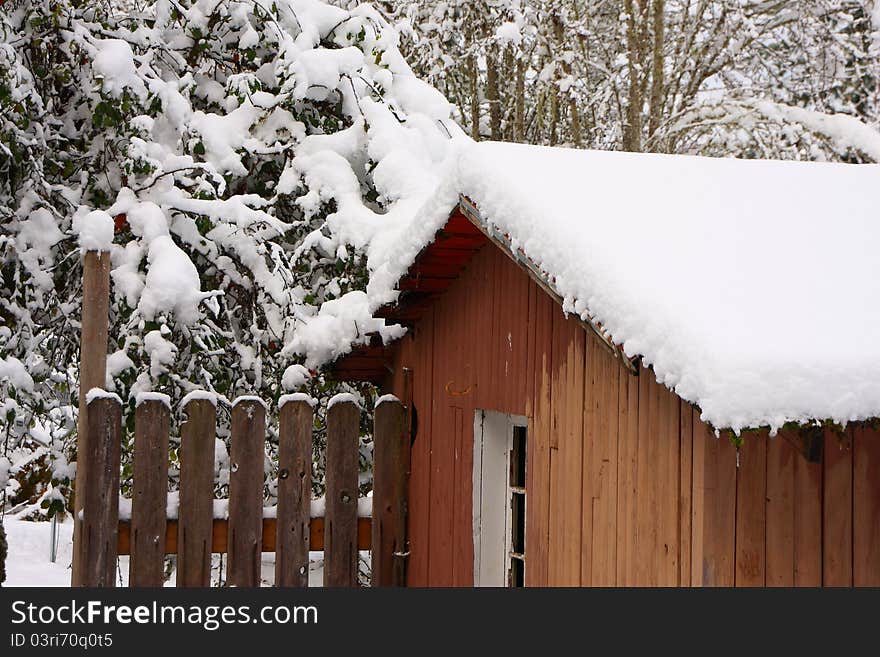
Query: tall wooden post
point(92, 374)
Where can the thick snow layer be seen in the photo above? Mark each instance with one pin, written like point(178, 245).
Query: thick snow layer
point(297, 397)
point(249, 399)
point(14, 371)
point(100, 393)
point(196, 395)
point(160, 397)
point(343, 398)
point(751, 287)
point(387, 398)
point(294, 377)
point(95, 231)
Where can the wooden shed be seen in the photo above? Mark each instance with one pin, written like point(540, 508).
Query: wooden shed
point(544, 456)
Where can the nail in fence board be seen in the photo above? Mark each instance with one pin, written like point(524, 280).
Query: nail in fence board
point(196, 514)
point(391, 465)
point(294, 494)
point(101, 496)
point(340, 524)
point(149, 494)
point(246, 493)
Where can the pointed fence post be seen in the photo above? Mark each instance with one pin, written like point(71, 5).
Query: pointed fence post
point(246, 492)
point(295, 422)
point(149, 493)
point(196, 511)
point(391, 466)
point(340, 522)
point(92, 374)
point(100, 514)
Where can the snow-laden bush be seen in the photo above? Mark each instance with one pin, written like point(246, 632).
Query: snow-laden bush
point(247, 151)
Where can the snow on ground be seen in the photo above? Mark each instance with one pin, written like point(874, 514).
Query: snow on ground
point(752, 287)
point(28, 561)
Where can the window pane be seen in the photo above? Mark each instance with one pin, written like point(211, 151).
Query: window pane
point(516, 576)
point(518, 523)
point(518, 458)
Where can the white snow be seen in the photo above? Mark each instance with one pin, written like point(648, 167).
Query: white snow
point(196, 395)
point(114, 63)
point(297, 397)
point(95, 231)
point(294, 377)
point(343, 398)
point(160, 397)
point(319, 507)
point(249, 399)
point(14, 371)
point(386, 398)
point(100, 393)
point(751, 287)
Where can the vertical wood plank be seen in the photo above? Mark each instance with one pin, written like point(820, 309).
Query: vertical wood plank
point(750, 512)
point(340, 523)
point(808, 523)
point(866, 506)
point(295, 422)
point(248, 436)
point(600, 465)
point(149, 493)
point(566, 486)
point(92, 374)
point(685, 489)
point(780, 505)
point(627, 494)
point(837, 551)
point(100, 522)
point(715, 513)
point(538, 466)
point(391, 464)
point(196, 514)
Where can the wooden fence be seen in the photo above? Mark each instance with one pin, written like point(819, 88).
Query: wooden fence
point(149, 535)
point(100, 536)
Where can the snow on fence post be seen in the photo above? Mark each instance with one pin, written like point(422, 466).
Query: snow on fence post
point(149, 492)
point(391, 465)
point(340, 515)
point(196, 511)
point(296, 418)
point(100, 503)
point(247, 455)
point(92, 374)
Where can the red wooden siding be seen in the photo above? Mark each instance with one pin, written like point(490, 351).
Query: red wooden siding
point(626, 486)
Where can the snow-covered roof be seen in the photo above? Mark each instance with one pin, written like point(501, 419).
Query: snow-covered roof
point(751, 287)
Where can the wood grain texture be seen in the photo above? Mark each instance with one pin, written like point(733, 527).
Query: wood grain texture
point(751, 519)
point(295, 422)
point(101, 499)
point(149, 494)
point(340, 533)
point(391, 466)
point(92, 374)
point(246, 459)
point(197, 436)
point(837, 511)
point(866, 507)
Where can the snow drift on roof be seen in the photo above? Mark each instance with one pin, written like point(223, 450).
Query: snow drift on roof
point(751, 287)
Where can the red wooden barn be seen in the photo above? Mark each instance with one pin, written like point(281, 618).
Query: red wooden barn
point(543, 454)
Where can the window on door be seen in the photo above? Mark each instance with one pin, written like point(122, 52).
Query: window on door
point(500, 498)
